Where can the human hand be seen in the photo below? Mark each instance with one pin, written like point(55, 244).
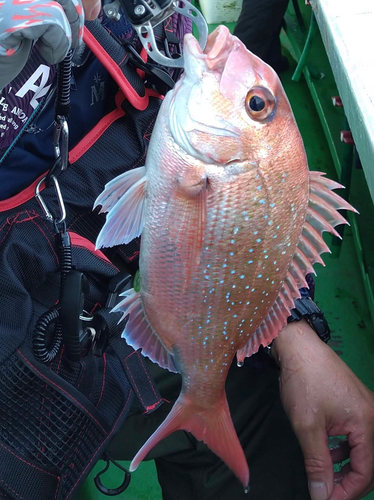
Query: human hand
point(56, 25)
point(323, 397)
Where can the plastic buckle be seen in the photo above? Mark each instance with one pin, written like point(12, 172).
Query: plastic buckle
point(119, 283)
point(144, 15)
point(75, 337)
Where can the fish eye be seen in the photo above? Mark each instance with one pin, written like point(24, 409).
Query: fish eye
point(259, 103)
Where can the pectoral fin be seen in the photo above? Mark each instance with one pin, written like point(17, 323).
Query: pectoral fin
point(189, 236)
point(124, 199)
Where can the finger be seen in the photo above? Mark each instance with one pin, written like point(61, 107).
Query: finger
point(91, 9)
point(318, 463)
point(340, 452)
point(74, 12)
point(339, 475)
point(359, 475)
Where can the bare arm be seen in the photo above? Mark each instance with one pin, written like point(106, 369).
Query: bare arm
point(323, 397)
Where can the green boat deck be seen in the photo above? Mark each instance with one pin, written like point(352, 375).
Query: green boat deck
point(344, 286)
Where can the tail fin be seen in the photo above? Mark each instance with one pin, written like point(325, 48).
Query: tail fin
point(214, 427)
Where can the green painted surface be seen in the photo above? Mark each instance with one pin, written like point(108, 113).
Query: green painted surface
point(340, 290)
point(143, 485)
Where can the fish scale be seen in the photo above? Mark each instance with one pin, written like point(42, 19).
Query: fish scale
point(231, 222)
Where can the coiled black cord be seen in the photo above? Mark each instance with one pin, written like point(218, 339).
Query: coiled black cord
point(45, 349)
point(62, 105)
point(46, 345)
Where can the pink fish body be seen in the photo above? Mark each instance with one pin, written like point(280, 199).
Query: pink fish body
point(231, 222)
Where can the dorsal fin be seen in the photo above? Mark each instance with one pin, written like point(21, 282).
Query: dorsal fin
point(140, 334)
point(321, 216)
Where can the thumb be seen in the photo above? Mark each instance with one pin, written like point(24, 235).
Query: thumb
point(318, 462)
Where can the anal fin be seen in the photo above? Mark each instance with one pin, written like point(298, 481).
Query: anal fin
point(139, 333)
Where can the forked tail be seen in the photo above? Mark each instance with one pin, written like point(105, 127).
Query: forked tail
point(214, 427)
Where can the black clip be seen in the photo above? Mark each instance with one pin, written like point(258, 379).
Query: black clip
point(111, 492)
point(104, 321)
point(74, 335)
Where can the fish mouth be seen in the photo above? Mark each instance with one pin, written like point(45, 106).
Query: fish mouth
point(196, 124)
point(216, 52)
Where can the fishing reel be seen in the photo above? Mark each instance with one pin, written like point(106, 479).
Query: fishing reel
point(145, 15)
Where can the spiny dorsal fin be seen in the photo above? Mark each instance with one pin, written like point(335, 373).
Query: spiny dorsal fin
point(321, 216)
point(140, 334)
point(124, 198)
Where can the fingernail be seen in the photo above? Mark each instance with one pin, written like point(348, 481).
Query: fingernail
point(318, 491)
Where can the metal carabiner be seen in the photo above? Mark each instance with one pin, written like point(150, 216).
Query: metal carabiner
point(61, 140)
point(60, 201)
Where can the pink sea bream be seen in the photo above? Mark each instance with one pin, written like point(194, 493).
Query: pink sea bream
point(231, 221)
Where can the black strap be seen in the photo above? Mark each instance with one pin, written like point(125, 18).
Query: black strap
point(23, 480)
point(137, 373)
point(118, 53)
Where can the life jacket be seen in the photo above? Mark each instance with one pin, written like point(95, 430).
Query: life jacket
point(67, 378)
